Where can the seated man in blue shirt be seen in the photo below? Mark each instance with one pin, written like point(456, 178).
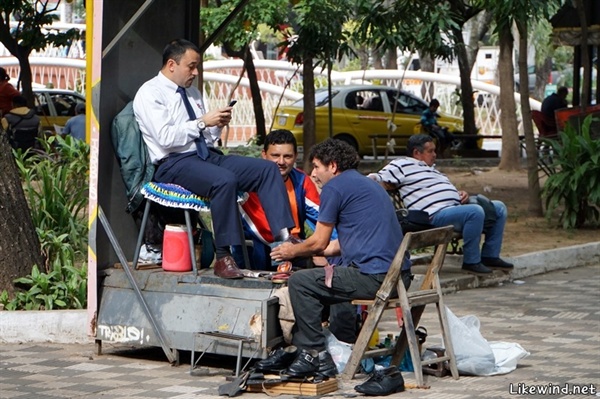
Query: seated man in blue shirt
point(368, 240)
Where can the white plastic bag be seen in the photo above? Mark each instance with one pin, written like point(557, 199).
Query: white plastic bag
point(473, 353)
point(507, 356)
point(339, 351)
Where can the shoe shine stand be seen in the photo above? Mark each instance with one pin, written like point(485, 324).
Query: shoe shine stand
point(175, 310)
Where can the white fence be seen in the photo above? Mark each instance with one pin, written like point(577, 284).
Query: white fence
point(280, 82)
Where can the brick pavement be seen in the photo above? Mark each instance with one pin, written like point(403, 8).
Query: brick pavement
point(555, 316)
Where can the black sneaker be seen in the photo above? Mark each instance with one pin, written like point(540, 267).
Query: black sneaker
point(278, 359)
point(306, 364)
point(327, 367)
point(382, 382)
point(497, 263)
point(476, 268)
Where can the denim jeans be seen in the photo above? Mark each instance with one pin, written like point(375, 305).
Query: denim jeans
point(468, 219)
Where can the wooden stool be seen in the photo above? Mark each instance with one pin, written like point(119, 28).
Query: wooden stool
point(412, 304)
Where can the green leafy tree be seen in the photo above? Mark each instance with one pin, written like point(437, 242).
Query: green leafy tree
point(320, 37)
point(519, 13)
point(27, 34)
point(238, 37)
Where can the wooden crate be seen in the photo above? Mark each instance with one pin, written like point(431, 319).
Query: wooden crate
point(294, 388)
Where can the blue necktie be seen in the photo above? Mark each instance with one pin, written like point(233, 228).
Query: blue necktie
point(201, 147)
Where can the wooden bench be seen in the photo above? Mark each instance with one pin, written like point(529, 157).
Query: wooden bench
point(375, 137)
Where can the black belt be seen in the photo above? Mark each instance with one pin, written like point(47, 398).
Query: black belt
point(161, 161)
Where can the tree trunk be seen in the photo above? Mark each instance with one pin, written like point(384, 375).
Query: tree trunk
point(309, 138)
point(363, 56)
point(466, 88)
point(19, 244)
point(259, 113)
point(508, 120)
point(585, 56)
point(479, 27)
point(25, 78)
point(534, 195)
point(542, 72)
point(377, 55)
point(391, 59)
point(427, 65)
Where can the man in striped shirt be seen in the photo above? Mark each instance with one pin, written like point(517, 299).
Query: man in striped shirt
point(424, 188)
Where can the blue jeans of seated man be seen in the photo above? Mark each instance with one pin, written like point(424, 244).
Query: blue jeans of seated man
point(468, 219)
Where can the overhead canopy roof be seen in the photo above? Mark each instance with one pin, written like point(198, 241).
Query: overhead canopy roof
point(567, 27)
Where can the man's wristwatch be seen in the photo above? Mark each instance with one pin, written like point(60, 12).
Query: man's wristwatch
point(201, 124)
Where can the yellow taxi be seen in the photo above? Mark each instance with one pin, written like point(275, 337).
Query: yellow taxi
point(56, 106)
point(361, 111)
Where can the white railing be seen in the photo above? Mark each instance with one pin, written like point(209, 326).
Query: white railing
point(60, 73)
point(281, 82)
point(282, 79)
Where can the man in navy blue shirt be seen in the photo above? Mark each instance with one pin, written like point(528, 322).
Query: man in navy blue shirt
point(369, 236)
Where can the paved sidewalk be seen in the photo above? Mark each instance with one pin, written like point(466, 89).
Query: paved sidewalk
point(554, 316)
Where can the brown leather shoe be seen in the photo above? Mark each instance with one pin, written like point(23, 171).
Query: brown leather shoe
point(226, 268)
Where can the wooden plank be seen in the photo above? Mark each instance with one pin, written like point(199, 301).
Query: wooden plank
point(295, 388)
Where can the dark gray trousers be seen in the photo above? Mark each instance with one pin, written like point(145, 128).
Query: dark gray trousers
point(308, 294)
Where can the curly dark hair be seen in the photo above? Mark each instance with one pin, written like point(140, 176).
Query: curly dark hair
point(340, 152)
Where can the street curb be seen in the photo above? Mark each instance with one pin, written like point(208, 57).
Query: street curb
point(55, 326)
point(70, 326)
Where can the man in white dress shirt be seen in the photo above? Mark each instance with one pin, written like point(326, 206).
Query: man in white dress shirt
point(180, 134)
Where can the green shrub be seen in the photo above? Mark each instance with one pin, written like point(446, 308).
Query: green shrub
point(65, 287)
point(575, 185)
point(55, 183)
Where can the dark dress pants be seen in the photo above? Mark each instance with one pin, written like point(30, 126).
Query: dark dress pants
point(220, 178)
point(308, 294)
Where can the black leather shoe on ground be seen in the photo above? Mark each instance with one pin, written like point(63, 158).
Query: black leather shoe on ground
point(476, 268)
point(278, 359)
point(382, 382)
point(306, 364)
point(327, 367)
point(497, 263)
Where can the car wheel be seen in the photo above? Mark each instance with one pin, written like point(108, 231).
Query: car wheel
point(346, 138)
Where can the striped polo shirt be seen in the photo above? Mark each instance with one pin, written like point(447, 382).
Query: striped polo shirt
point(421, 186)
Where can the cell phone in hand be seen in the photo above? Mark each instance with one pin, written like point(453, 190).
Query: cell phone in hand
point(232, 103)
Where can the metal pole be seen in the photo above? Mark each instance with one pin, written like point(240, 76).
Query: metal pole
point(121, 255)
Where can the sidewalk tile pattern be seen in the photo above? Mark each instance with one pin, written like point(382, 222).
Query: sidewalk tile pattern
point(556, 317)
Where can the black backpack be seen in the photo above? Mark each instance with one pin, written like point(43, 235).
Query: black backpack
point(22, 138)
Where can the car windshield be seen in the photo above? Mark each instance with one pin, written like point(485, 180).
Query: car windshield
point(321, 97)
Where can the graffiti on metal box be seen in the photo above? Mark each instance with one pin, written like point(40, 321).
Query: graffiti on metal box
point(122, 334)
